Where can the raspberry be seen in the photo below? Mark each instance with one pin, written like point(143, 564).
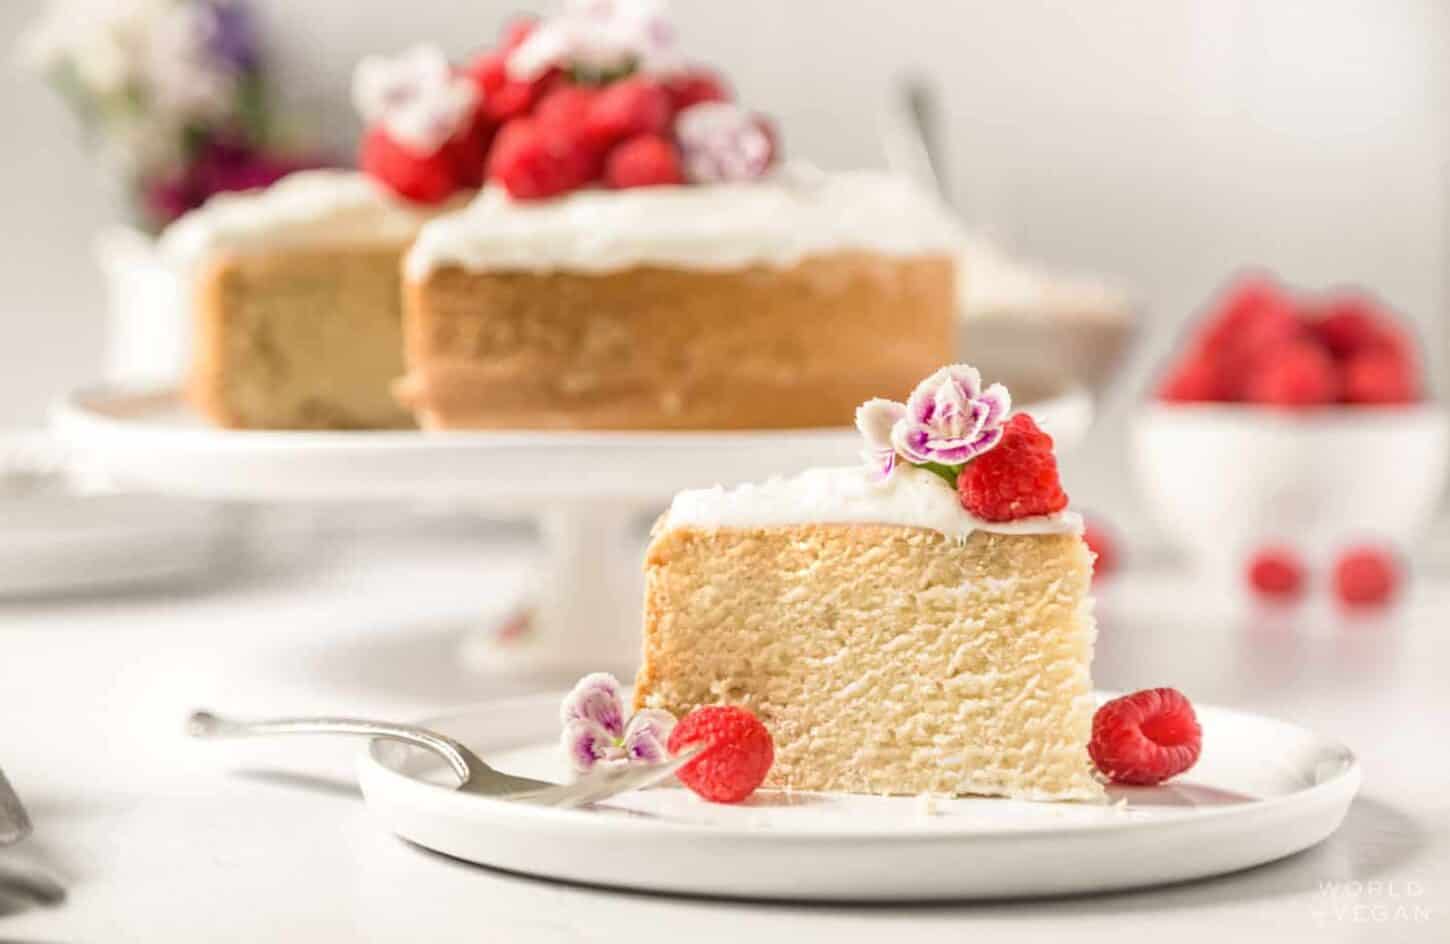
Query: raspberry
point(696, 86)
point(1298, 374)
point(1352, 325)
point(505, 98)
point(1366, 576)
point(430, 178)
point(1195, 379)
point(629, 107)
point(647, 160)
point(1017, 479)
point(514, 33)
point(1254, 314)
point(1380, 377)
point(534, 161)
point(1101, 542)
point(1276, 573)
point(737, 755)
point(467, 151)
point(1146, 737)
point(566, 106)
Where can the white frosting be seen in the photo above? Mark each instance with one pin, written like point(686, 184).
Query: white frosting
point(996, 283)
point(911, 497)
point(779, 220)
point(308, 208)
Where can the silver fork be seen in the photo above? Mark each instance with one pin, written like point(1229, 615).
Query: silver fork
point(474, 776)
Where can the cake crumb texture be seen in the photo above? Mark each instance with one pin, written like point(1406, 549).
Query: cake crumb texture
point(883, 659)
point(300, 340)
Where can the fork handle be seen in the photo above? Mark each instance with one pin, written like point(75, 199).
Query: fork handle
point(205, 724)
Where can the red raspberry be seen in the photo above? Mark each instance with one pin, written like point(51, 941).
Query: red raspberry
point(1101, 542)
point(1299, 374)
point(1276, 573)
point(629, 107)
point(428, 178)
point(515, 31)
point(696, 86)
point(467, 151)
point(1017, 479)
point(1146, 737)
point(1255, 313)
point(737, 755)
point(647, 160)
point(1366, 576)
point(503, 97)
point(534, 162)
point(1352, 324)
point(567, 106)
point(1195, 379)
point(1380, 377)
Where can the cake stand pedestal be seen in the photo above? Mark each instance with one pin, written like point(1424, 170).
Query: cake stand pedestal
point(590, 492)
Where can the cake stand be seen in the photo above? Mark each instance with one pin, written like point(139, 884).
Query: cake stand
point(589, 492)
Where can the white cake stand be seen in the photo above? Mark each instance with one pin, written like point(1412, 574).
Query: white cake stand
point(587, 490)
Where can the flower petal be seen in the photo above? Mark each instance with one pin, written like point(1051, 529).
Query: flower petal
point(874, 419)
point(596, 697)
point(648, 734)
point(586, 744)
point(910, 439)
point(998, 402)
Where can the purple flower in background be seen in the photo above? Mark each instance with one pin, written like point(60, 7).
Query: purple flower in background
point(950, 419)
point(596, 732)
point(234, 38)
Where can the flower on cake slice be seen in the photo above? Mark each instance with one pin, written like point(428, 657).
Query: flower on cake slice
point(999, 463)
point(598, 731)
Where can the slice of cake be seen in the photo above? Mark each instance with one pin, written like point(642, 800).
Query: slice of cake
point(920, 626)
point(780, 302)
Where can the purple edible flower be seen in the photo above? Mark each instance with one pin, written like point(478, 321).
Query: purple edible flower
point(948, 421)
point(596, 732)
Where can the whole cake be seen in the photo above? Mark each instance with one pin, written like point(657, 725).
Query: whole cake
point(753, 304)
point(919, 625)
point(634, 255)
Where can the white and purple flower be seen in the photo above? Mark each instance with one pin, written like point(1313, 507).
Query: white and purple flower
point(596, 730)
point(600, 37)
point(948, 421)
point(722, 142)
point(416, 96)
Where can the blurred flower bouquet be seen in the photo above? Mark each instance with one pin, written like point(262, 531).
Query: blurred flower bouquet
point(171, 93)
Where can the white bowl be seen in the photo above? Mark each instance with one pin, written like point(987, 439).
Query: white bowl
point(1223, 480)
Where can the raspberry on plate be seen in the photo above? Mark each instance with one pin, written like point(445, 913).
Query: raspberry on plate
point(1298, 374)
point(738, 752)
point(647, 160)
point(1276, 573)
point(1146, 737)
point(422, 178)
point(1366, 576)
point(1016, 479)
point(629, 107)
point(1380, 377)
point(534, 161)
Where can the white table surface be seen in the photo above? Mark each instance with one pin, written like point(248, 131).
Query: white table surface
point(161, 839)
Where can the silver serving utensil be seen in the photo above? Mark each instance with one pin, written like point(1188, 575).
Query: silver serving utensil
point(474, 776)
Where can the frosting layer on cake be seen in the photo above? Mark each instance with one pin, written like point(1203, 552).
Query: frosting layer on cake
point(778, 221)
point(911, 497)
point(315, 208)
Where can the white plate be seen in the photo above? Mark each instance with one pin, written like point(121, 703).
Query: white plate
point(1262, 790)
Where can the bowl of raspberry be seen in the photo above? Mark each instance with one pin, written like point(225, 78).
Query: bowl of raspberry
point(1292, 420)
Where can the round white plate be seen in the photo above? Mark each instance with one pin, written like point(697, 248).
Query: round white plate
point(1262, 790)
